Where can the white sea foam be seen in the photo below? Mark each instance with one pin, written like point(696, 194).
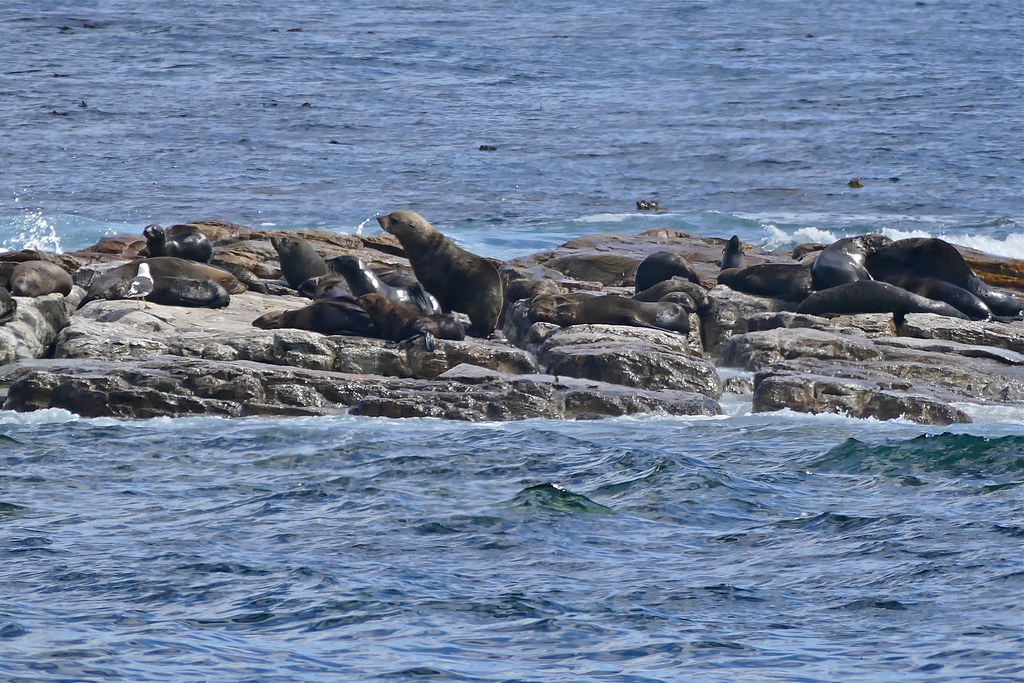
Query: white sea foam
point(32, 230)
point(38, 417)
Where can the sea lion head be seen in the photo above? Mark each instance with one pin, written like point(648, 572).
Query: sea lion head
point(269, 321)
point(405, 223)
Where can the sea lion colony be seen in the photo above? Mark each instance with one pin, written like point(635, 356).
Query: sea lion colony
point(864, 274)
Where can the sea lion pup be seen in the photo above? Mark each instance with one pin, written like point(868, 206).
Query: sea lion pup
point(393, 321)
point(873, 296)
point(39, 278)
point(362, 280)
point(327, 316)
point(299, 260)
point(661, 265)
point(930, 257)
point(732, 255)
point(843, 260)
point(8, 306)
point(789, 281)
point(460, 280)
point(940, 290)
point(182, 241)
point(176, 282)
point(578, 308)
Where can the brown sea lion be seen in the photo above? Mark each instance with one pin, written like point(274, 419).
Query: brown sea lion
point(327, 316)
point(392, 320)
point(578, 308)
point(39, 278)
point(299, 260)
point(661, 265)
point(461, 280)
point(183, 241)
point(673, 285)
point(789, 281)
point(873, 296)
point(176, 282)
point(362, 280)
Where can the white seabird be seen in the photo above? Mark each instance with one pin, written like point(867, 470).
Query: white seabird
point(141, 285)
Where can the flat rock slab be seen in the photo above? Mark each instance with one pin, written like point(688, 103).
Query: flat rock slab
point(171, 385)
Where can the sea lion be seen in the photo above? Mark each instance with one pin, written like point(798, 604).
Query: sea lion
point(8, 306)
point(930, 257)
point(789, 281)
point(843, 260)
point(674, 285)
point(327, 316)
point(460, 280)
point(361, 280)
point(176, 282)
point(325, 287)
point(609, 309)
point(393, 321)
point(661, 265)
point(39, 278)
point(299, 260)
point(182, 241)
point(940, 290)
point(732, 255)
point(873, 296)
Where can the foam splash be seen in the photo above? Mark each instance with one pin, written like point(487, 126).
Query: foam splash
point(33, 231)
point(776, 239)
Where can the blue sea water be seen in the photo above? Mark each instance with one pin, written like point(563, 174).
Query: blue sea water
point(749, 547)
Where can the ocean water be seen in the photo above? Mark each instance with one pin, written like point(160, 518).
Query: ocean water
point(747, 547)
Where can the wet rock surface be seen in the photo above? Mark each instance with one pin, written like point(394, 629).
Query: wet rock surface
point(130, 359)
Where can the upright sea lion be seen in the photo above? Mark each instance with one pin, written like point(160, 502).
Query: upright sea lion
point(930, 257)
point(392, 320)
point(362, 280)
point(609, 309)
point(182, 241)
point(176, 282)
point(843, 260)
point(789, 281)
point(326, 316)
point(732, 255)
point(873, 296)
point(39, 278)
point(661, 265)
point(299, 260)
point(461, 280)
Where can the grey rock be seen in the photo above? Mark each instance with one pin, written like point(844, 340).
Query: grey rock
point(728, 311)
point(35, 324)
point(931, 326)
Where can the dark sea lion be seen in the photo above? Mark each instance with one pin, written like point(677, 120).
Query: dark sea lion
point(661, 265)
point(327, 316)
point(789, 281)
point(362, 280)
point(326, 287)
point(39, 278)
point(673, 285)
point(609, 309)
point(393, 321)
point(732, 255)
point(460, 280)
point(940, 290)
point(183, 242)
point(8, 306)
point(299, 260)
point(930, 257)
point(843, 260)
point(530, 287)
point(176, 282)
point(873, 296)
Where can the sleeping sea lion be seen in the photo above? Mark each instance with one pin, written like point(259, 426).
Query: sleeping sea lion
point(873, 296)
point(176, 282)
point(39, 278)
point(327, 316)
point(661, 265)
point(182, 241)
point(460, 280)
point(362, 280)
point(940, 290)
point(578, 308)
point(299, 260)
point(789, 281)
point(393, 321)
